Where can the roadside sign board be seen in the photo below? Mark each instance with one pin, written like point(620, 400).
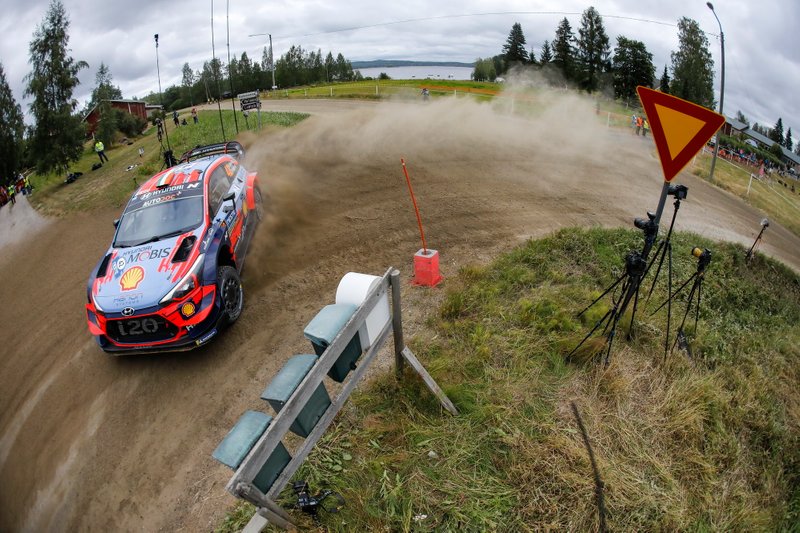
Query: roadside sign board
point(249, 101)
point(680, 128)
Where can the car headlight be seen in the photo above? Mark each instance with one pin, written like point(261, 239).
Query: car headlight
point(187, 284)
point(96, 305)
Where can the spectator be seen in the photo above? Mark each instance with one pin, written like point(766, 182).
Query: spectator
point(194, 115)
point(175, 118)
point(101, 150)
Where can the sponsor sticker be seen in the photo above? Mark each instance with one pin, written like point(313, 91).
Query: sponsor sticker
point(131, 279)
point(128, 300)
point(207, 337)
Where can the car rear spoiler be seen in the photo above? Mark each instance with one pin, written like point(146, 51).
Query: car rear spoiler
point(233, 148)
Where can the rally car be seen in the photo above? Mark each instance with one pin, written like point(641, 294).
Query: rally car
point(170, 280)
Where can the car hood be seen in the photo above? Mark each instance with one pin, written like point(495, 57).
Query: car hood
point(139, 277)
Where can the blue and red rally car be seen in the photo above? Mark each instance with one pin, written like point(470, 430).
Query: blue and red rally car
point(170, 280)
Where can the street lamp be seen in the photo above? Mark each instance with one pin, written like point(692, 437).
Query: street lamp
point(169, 160)
point(721, 90)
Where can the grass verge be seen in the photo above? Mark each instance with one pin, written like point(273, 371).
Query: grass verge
point(779, 201)
point(710, 442)
point(111, 185)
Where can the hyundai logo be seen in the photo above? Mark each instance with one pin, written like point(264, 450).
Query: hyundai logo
point(128, 311)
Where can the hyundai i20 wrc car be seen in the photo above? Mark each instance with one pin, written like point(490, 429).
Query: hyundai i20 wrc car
point(170, 280)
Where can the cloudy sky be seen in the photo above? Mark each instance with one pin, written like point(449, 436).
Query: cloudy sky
point(762, 57)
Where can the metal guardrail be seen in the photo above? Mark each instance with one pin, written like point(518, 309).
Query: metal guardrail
point(242, 486)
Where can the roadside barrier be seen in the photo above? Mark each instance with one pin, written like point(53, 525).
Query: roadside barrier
point(346, 336)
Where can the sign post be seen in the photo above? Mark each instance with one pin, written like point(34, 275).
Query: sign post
point(248, 101)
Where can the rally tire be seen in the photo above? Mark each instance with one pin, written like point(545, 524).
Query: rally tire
point(229, 287)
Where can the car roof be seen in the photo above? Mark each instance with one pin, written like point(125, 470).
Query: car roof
point(185, 180)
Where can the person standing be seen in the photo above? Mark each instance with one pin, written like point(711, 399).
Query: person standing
point(11, 191)
point(194, 115)
point(175, 119)
point(100, 148)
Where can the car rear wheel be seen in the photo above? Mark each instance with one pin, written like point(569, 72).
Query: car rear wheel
point(229, 286)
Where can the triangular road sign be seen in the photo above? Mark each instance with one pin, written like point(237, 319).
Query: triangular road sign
point(680, 128)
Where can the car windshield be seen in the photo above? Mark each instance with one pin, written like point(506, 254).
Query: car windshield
point(159, 221)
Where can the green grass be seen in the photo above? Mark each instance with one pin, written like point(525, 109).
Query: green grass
point(388, 88)
point(777, 201)
point(707, 443)
point(112, 185)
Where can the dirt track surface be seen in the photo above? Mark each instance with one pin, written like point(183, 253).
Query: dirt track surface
point(91, 442)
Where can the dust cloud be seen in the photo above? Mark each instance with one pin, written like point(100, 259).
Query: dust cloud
point(328, 162)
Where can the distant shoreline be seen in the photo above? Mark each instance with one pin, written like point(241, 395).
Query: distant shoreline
point(386, 63)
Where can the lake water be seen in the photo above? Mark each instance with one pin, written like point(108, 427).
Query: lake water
point(420, 73)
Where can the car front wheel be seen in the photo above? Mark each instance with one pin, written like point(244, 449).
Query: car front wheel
point(229, 287)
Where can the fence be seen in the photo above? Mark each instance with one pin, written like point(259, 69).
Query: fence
point(341, 334)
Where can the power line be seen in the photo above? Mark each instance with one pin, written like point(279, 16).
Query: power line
point(444, 17)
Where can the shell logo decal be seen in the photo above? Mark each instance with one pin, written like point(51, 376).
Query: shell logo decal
point(131, 278)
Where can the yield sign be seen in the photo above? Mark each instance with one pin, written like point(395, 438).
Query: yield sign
point(680, 128)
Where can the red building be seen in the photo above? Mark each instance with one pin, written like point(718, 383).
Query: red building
point(134, 107)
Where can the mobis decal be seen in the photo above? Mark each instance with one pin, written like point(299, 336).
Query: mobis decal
point(131, 278)
point(137, 256)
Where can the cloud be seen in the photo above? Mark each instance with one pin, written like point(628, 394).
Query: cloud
point(762, 66)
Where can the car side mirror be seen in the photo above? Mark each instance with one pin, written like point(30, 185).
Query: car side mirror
point(229, 198)
point(116, 223)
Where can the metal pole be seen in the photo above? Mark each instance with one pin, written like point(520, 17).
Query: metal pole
point(272, 63)
point(230, 75)
point(721, 90)
point(397, 324)
point(161, 96)
point(216, 76)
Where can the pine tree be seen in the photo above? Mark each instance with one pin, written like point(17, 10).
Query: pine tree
point(546, 55)
point(102, 95)
point(57, 135)
point(692, 65)
point(664, 82)
point(776, 133)
point(12, 129)
point(789, 143)
point(564, 50)
point(593, 50)
point(514, 50)
point(632, 66)
point(741, 118)
point(187, 81)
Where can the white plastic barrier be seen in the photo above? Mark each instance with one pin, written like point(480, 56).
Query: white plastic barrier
point(353, 289)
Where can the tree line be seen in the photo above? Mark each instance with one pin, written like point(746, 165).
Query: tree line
point(586, 61)
point(56, 137)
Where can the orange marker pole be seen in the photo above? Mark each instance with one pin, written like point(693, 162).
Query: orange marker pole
point(414, 201)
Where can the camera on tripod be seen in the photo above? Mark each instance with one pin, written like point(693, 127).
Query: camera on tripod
point(704, 257)
point(765, 223)
point(678, 191)
point(649, 226)
point(312, 504)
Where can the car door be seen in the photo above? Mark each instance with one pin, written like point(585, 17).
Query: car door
point(225, 180)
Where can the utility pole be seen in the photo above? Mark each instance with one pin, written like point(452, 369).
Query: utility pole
point(721, 90)
point(272, 63)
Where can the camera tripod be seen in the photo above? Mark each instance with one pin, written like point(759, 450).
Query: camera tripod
point(751, 251)
point(631, 279)
point(169, 158)
point(703, 260)
point(664, 250)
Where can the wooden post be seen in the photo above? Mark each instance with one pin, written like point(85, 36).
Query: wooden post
point(429, 381)
point(397, 324)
